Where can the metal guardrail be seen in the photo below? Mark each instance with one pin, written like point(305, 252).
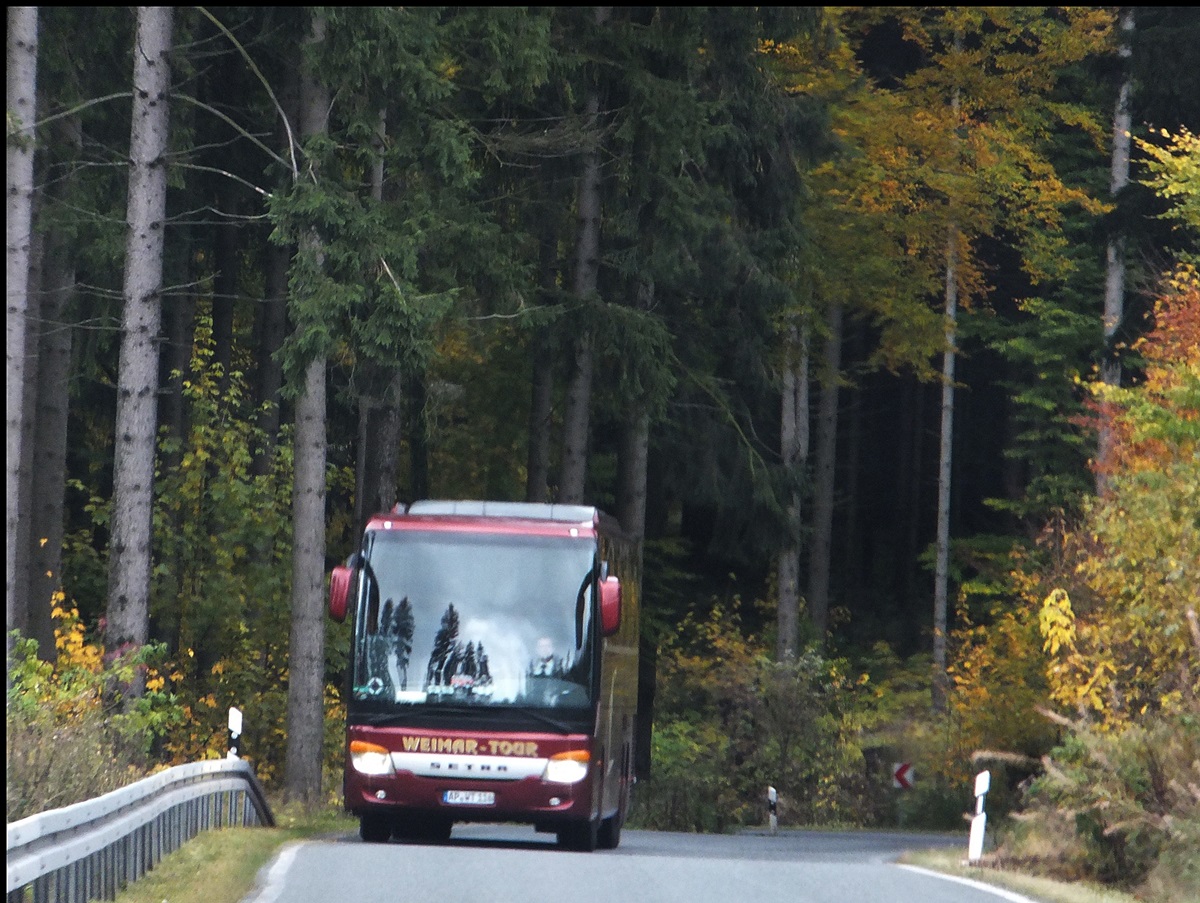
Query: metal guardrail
point(90, 850)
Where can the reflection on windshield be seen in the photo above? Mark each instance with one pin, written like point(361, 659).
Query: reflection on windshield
point(475, 619)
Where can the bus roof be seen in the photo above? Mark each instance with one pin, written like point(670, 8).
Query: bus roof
point(519, 517)
point(572, 514)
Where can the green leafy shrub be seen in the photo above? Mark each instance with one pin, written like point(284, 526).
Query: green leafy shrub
point(71, 734)
point(730, 722)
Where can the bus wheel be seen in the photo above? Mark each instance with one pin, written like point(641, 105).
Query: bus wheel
point(374, 827)
point(581, 835)
point(609, 836)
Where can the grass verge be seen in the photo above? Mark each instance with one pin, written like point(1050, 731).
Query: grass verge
point(1045, 890)
point(229, 859)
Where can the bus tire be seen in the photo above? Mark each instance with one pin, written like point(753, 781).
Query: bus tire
point(374, 827)
point(609, 836)
point(581, 836)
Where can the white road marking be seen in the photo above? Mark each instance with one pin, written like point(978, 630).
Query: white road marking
point(1000, 892)
point(273, 885)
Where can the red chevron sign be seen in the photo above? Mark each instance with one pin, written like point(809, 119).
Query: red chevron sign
point(902, 775)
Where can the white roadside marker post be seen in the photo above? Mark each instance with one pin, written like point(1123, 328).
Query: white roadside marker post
point(235, 731)
point(983, 781)
point(772, 801)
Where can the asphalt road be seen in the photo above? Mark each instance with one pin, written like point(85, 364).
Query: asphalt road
point(510, 864)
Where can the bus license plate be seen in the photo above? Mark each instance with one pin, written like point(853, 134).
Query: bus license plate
point(469, 798)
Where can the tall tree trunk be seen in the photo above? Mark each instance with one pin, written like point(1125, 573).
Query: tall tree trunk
point(272, 331)
point(827, 425)
point(573, 476)
point(418, 438)
point(380, 415)
point(306, 643)
point(50, 440)
point(941, 589)
point(22, 108)
point(387, 470)
point(577, 404)
point(137, 383)
point(793, 447)
point(541, 403)
point(634, 450)
point(271, 324)
point(851, 545)
point(1114, 275)
point(225, 285)
point(179, 326)
point(46, 439)
point(20, 538)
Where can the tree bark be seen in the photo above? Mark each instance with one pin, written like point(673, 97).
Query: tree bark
point(1114, 274)
point(941, 589)
point(137, 403)
point(306, 644)
point(383, 413)
point(633, 454)
point(272, 331)
point(22, 108)
point(50, 441)
point(793, 447)
point(825, 476)
point(573, 476)
point(20, 539)
point(579, 386)
point(541, 404)
point(225, 285)
point(49, 446)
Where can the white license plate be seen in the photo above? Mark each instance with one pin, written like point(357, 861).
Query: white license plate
point(469, 798)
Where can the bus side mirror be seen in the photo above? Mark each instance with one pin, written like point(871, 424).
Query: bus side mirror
point(339, 591)
point(610, 605)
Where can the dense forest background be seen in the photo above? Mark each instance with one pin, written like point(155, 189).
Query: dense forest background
point(833, 306)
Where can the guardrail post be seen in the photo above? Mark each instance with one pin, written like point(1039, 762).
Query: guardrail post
point(772, 807)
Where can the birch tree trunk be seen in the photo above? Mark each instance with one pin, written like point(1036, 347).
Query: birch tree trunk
point(137, 382)
point(22, 110)
point(825, 474)
point(306, 643)
point(1114, 274)
point(587, 267)
point(793, 443)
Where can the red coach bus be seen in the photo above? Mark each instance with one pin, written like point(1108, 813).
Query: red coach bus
point(493, 672)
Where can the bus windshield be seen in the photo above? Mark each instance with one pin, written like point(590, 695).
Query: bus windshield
point(474, 619)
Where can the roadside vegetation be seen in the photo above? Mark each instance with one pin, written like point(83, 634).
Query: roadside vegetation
point(757, 198)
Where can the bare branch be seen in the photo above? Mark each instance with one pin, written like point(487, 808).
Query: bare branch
point(267, 85)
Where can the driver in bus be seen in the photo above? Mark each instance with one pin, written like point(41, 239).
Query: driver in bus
point(546, 664)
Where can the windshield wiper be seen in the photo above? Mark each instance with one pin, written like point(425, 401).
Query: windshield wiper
point(380, 718)
point(539, 715)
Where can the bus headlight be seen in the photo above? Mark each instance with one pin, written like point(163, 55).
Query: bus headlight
point(567, 767)
point(370, 758)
